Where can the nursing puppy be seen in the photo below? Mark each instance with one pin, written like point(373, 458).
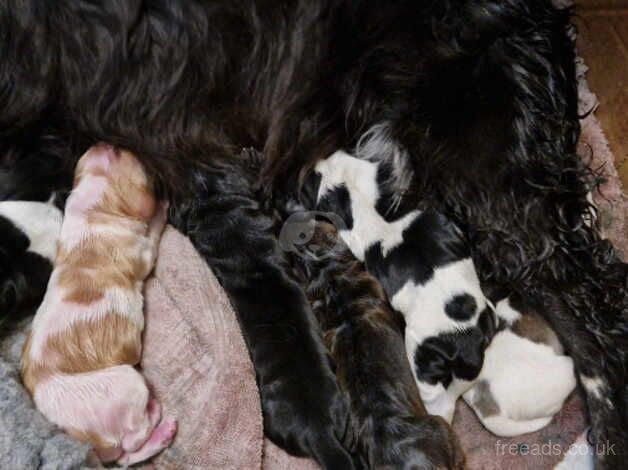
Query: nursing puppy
point(28, 246)
point(424, 265)
point(525, 378)
point(364, 336)
point(86, 336)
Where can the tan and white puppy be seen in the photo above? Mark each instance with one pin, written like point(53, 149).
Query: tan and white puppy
point(78, 362)
point(526, 376)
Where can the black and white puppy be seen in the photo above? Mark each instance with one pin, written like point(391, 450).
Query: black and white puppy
point(424, 264)
point(28, 244)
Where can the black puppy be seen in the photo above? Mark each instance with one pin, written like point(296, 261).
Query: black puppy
point(304, 409)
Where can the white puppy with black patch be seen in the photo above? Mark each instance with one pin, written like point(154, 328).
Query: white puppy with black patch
point(424, 264)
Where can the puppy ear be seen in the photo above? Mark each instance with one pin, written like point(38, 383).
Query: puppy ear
point(434, 360)
point(441, 358)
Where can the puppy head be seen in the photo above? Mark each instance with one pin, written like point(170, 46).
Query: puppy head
point(95, 162)
point(446, 366)
point(127, 191)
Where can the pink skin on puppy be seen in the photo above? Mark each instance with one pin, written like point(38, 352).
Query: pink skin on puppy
point(78, 361)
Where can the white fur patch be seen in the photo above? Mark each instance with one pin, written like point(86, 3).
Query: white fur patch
point(593, 385)
point(41, 222)
point(597, 387)
point(423, 305)
point(504, 310)
point(579, 456)
point(528, 381)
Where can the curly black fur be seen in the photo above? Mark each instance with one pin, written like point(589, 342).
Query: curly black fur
point(304, 409)
point(480, 93)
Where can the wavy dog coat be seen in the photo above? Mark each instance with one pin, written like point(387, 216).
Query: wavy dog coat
point(480, 95)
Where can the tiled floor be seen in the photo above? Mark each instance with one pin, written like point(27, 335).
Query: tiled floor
point(603, 42)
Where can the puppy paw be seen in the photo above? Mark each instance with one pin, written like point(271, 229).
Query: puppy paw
point(161, 437)
point(164, 433)
point(315, 421)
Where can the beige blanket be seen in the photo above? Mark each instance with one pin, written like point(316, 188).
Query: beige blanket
point(197, 363)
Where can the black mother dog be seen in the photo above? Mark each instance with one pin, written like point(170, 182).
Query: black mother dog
point(480, 94)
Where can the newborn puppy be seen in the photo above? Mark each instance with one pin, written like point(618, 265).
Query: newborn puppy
point(86, 336)
point(365, 339)
point(28, 246)
point(424, 264)
point(525, 378)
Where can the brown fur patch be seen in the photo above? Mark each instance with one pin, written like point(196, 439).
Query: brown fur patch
point(128, 193)
point(484, 401)
point(128, 199)
point(89, 269)
point(537, 330)
point(85, 346)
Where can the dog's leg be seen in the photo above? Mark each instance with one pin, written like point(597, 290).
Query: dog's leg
point(304, 410)
point(591, 318)
point(366, 342)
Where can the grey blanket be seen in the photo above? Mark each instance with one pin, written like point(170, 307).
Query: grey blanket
point(27, 440)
